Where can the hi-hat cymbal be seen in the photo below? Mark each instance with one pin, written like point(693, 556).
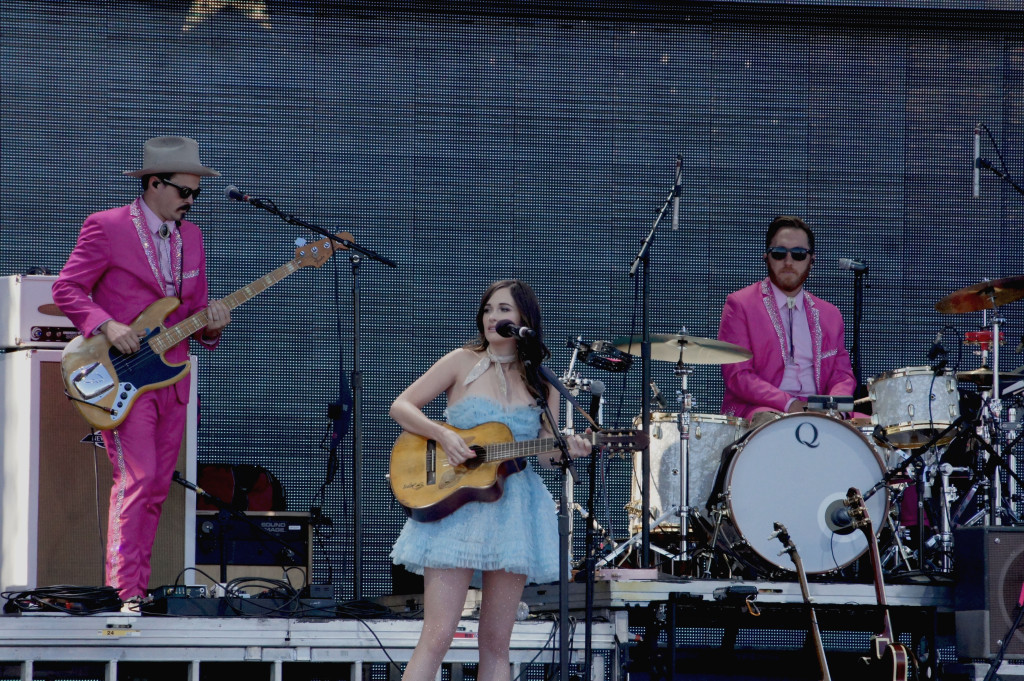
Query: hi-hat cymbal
point(983, 296)
point(983, 376)
point(691, 349)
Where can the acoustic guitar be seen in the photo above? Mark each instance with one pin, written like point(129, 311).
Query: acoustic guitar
point(890, 658)
point(789, 547)
point(429, 488)
point(104, 383)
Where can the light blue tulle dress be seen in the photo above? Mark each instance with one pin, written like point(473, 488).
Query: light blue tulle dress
point(517, 533)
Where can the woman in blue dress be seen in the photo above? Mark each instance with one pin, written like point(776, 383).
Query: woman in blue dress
point(500, 545)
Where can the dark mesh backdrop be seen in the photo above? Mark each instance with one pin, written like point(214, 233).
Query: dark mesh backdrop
point(489, 144)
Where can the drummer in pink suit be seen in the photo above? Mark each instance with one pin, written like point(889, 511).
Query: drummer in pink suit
point(125, 259)
point(796, 338)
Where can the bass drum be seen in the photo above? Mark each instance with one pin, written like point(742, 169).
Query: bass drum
point(797, 471)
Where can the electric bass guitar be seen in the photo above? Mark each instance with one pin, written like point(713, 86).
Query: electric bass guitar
point(789, 547)
point(889, 656)
point(104, 383)
point(429, 488)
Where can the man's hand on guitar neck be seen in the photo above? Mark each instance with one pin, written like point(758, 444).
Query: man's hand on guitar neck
point(219, 316)
point(121, 336)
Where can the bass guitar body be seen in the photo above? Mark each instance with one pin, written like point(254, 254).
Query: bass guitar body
point(103, 383)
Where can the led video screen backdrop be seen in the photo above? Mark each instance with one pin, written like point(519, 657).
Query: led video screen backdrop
point(492, 143)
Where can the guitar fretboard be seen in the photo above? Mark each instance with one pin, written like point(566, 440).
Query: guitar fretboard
point(186, 327)
point(512, 450)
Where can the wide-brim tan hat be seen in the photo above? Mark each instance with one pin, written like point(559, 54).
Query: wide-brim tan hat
point(171, 154)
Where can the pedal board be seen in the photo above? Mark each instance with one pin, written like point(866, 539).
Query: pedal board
point(242, 607)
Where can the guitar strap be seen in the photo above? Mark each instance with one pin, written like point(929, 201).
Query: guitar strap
point(557, 384)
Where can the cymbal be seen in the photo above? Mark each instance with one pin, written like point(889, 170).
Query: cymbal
point(693, 349)
point(983, 376)
point(981, 296)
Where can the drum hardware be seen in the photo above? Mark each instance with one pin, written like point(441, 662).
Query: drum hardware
point(922, 470)
point(898, 550)
point(943, 541)
point(982, 338)
point(600, 355)
point(832, 405)
point(984, 296)
point(683, 350)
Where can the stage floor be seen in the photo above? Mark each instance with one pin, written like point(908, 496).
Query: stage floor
point(639, 627)
point(264, 647)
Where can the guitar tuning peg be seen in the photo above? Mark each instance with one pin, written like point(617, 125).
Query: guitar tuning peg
point(300, 242)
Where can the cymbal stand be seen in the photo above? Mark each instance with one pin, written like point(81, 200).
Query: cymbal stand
point(683, 421)
point(993, 405)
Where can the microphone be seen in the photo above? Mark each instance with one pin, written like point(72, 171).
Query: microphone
point(854, 264)
point(506, 329)
point(977, 154)
point(841, 516)
point(657, 396)
point(233, 193)
point(838, 518)
point(938, 352)
point(675, 193)
point(596, 390)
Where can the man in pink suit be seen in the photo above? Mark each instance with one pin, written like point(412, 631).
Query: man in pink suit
point(797, 338)
point(125, 259)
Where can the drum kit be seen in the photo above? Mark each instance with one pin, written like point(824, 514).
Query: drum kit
point(935, 453)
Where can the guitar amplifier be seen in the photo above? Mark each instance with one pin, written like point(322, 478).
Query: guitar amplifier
point(264, 544)
point(30, 319)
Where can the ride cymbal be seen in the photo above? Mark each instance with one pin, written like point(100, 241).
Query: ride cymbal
point(983, 296)
point(688, 349)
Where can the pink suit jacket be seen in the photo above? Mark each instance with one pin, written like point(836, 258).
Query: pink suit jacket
point(113, 273)
point(751, 320)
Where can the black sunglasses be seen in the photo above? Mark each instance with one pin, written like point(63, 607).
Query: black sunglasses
point(779, 253)
point(183, 192)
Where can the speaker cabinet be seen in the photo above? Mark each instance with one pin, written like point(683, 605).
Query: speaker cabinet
point(56, 485)
point(990, 580)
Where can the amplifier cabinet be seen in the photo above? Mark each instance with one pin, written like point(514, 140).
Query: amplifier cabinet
point(263, 544)
point(55, 486)
point(29, 319)
point(990, 579)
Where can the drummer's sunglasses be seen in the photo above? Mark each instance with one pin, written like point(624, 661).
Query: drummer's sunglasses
point(779, 253)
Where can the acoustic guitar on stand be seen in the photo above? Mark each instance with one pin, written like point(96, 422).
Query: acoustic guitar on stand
point(429, 488)
point(889, 656)
point(789, 547)
point(104, 383)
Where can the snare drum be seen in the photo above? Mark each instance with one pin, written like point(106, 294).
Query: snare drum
point(797, 471)
point(914, 404)
point(709, 435)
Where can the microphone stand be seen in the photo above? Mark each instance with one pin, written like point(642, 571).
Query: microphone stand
point(643, 257)
point(536, 373)
point(1001, 174)
point(858, 311)
point(356, 381)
